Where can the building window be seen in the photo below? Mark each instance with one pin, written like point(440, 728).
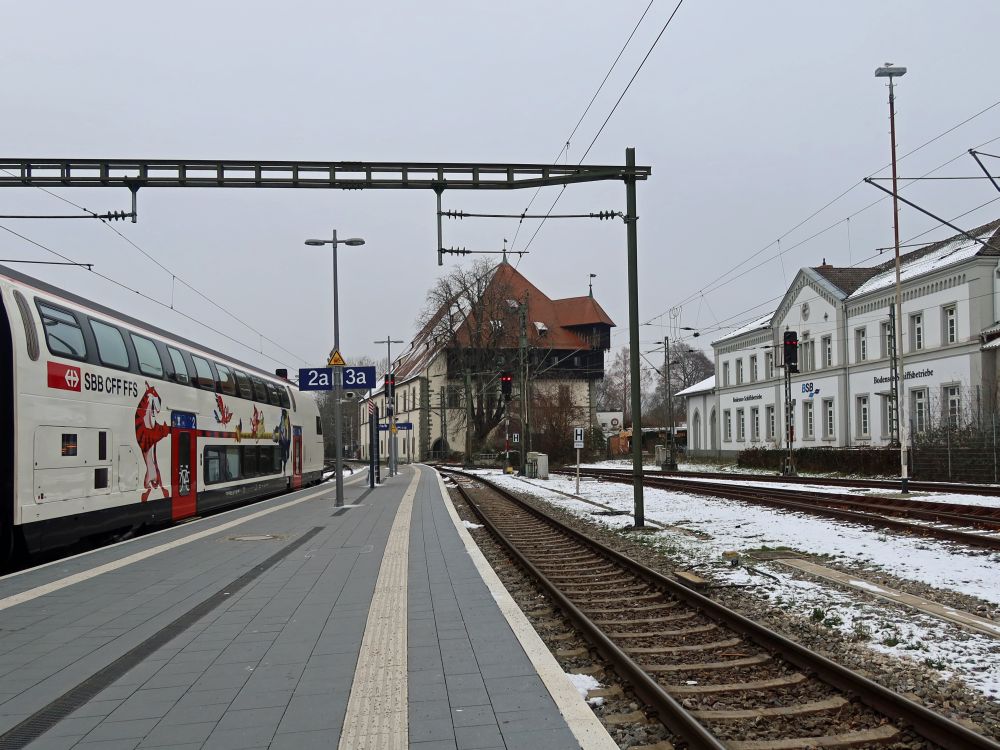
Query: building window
point(741, 427)
point(725, 373)
point(863, 425)
point(753, 368)
point(953, 405)
point(807, 420)
point(861, 344)
point(755, 424)
point(828, 351)
point(950, 325)
point(886, 417)
point(727, 426)
point(917, 332)
point(918, 411)
point(885, 333)
point(769, 421)
point(769, 365)
point(739, 371)
point(828, 419)
point(807, 356)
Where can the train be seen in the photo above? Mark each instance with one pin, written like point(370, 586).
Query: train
point(109, 424)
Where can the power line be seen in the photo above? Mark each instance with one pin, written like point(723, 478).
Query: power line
point(126, 287)
point(849, 190)
point(611, 113)
point(174, 277)
point(569, 138)
point(714, 286)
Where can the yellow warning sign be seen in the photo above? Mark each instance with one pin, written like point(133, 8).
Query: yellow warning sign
point(336, 360)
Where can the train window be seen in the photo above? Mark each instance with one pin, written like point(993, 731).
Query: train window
point(259, 389)
point(30, 333)
point(180, 369)
point(231, 462)
point(69, 444)
point(291, 395)
point(226, 380)
point(102, 445)
point(110, 345)
point(213, 466)
point(243, 381)
point(319, 425)
point(283, 397)
point(273, 397)
point(149, 358)
point(222, 464)
point(249, 460)
point(62, 332)
point(203, 373)
point(101, 478)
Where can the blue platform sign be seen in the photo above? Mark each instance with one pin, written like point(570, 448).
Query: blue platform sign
point(316, 379)
point(404, 425)
point(359, 378)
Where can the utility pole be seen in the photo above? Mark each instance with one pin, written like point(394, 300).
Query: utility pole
point(631, 218)
point(390, 403)
point(671, 462)
point(444, 419)
point(468, 464)
point(522, 345)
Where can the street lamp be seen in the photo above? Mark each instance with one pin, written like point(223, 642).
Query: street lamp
point(338, 437)
point(890, 71)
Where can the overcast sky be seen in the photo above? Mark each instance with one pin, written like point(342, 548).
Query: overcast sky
point(751, 115)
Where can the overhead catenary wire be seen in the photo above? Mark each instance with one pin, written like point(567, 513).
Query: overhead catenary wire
point(607, 119)
point(174, 277)
point(848, 190)
point(126, 287)
point(565, 148)
point(714, 285)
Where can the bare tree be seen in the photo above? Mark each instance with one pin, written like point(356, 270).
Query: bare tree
point(687, 367)
point(614, 392)
point(472, 313)
point(351, 421)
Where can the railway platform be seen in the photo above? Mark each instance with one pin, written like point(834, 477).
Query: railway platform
point(285, 624)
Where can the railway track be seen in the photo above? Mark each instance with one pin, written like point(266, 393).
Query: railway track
point(879, 484)
point(715, 678)
point(953, 522)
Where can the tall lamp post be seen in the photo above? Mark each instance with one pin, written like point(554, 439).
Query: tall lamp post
point(890, 71)
point(338, 428)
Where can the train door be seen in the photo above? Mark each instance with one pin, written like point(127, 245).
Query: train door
point(184, 466)
point(7, 436)
point(296, 457)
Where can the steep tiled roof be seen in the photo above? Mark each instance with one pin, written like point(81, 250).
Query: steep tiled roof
point(558, 318)
point(846, 279)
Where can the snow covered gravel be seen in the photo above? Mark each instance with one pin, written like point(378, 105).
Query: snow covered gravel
point(961, 577)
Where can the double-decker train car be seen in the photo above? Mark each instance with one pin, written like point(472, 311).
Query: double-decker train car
point(108, 423)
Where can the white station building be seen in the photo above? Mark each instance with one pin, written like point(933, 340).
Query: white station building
point(841, 396)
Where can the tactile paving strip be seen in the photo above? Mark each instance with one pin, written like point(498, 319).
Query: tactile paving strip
point(377, 713)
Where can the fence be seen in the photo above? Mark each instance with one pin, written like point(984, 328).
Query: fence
point(958, 454)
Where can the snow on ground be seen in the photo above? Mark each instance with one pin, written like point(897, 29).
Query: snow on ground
point(731, 525)
point(937, 497)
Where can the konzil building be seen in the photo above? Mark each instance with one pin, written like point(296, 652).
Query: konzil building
point(842, 394)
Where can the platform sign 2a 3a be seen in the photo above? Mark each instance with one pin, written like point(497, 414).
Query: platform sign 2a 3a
point(316, 379)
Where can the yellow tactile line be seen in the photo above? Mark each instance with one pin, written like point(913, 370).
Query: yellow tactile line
point(584, 725)
point(376, 711)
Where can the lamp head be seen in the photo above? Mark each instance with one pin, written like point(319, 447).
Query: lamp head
point(889, 70)
point(354, 241)
point(317, 243)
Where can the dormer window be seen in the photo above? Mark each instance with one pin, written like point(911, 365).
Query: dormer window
point(496, 325)
point(541, 328)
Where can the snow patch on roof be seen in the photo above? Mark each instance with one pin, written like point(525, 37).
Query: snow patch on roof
point(762, 322)
point(959, 249)
point(703, 386)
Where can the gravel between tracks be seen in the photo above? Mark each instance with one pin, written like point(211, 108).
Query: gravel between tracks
point(919, 682)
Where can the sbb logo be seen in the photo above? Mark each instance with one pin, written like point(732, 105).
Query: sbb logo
point(66, 377)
